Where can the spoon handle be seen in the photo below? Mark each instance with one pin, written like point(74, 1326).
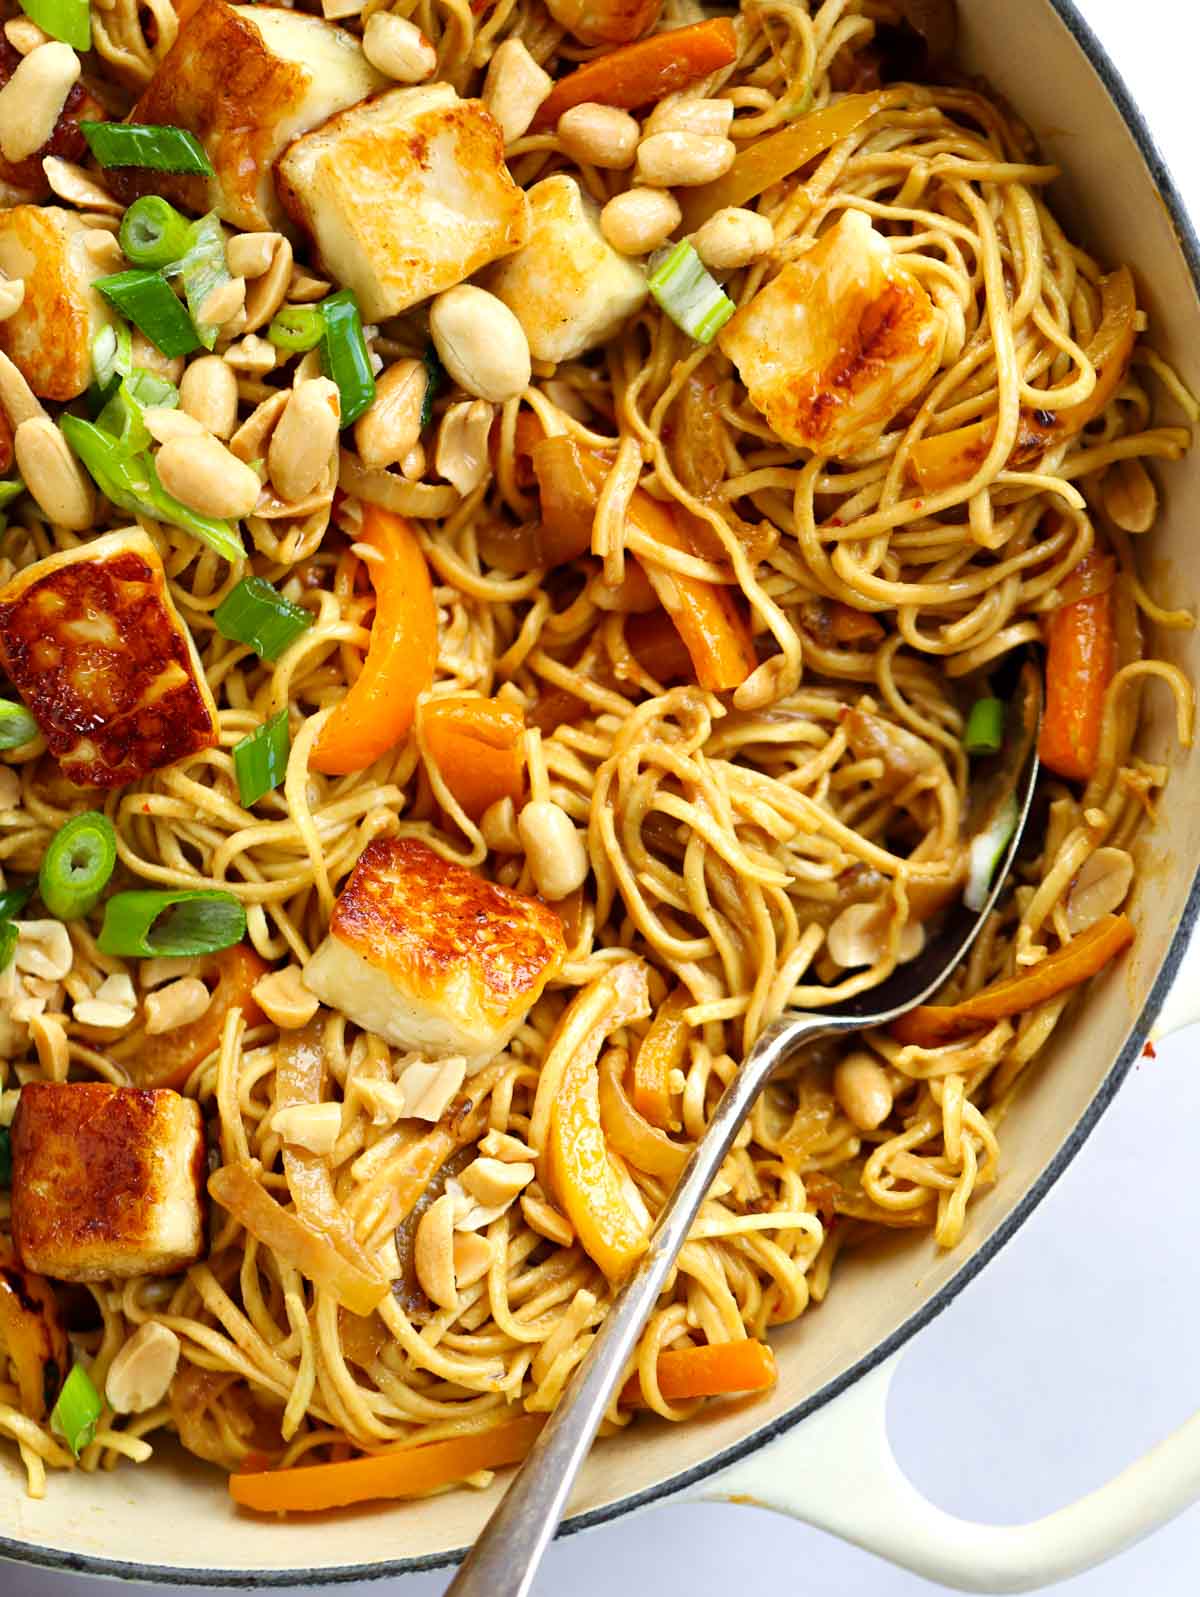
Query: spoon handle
point(509, 1550)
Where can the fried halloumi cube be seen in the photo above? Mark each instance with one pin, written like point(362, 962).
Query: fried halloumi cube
point(839, 343)
point(92, 641)
point(107, 1181)
point(431, 957)
point(246, 80)
point(405, 195)
point(568, 288)
point(50, 337)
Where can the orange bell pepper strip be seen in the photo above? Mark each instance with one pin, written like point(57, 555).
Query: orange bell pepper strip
point(1081, 660)
point(950, 458)
point(849, 625)
point(169, 1059)
point(711, 1371)
point(478, 748)
point(636, 74)
point(634, 1138)
point(31, 1333)
point(932, 1025)
point(400, 1472)
point(655, 643)
point(776, 156)
point(379, 708)
point(662, 1050)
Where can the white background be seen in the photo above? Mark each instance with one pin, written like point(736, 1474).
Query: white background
point(1076, 1349)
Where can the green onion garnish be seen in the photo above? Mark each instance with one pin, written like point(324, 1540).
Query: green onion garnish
point(297, 328)
point(257, 614)
point(77, 1410)
point(123, 416)
point(153, 233)
point(17, 726)
point(77, 865)
point(5, 1152)
point(163, 149)
point(260, 759)
point(693, 299)
point(985, 727)
point(203, 268)
point(8, 943)
point(14, 899)
point(112, 359)
point(146, 924)
point(131, 482)
point(10, 488)
point(435, 375)
point(344, 355)
point(68, 20)
point(147, 300)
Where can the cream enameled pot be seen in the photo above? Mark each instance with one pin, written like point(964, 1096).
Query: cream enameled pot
point(816, 1447)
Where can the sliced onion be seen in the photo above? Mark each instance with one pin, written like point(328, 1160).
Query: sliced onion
point(986, 852)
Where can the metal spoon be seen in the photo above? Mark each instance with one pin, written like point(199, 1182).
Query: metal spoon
point(506, 1556)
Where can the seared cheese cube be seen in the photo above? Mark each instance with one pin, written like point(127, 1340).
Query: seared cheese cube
point(107, 1181)
point(50, 336)
point(839, 343)
point(431, 957)
point(404, 196)
point(246, 80)
point(568, 288)
point(92, 641)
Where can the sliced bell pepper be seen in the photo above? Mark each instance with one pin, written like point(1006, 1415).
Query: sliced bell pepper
point(637, 74)
point(1081, 659)
point(633, 1137)
point(31, 1333)
point(711, 1371)
point(662, 1050)
point(169, 1059)
point(478, 747)
point(379, 708)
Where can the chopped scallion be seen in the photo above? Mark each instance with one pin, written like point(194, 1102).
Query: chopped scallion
point(5, 1141)
point(17, 726)
point(985, 727)
point(76, 867)
point(8, 943)
point(693, 299)
point(986, 850)
point(10, 488)
point(147, 300)
point(161, 148)
point(78, 1408)
point(153, 233)
point(145, 924)
point(14, 899)
point(435, 376)
point(257, 614)
point(297, 328)
point(122, 417)
point(68, 20)
point(260, 759)
point(112, 359)
point(131, 482)
point(203, 268)
point(344, 355)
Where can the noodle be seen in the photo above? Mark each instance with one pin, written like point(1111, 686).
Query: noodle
point(729, 835)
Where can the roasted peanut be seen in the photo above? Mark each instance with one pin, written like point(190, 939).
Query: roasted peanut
point(304, 439)
point(398, 48)
point(732, 238)
point(143, 1369)
point(514, 88)
point(205, 476)
point(284, 999)
point(481, 343)
point(31, 101)
point(462, 444)
point(386, 432)
point(208, 392)
point(598, 135)
point(53, 476)
point(554, 849)
point(861, 1087)
point(683, 160)
point(639, 220)
point(177, 1004)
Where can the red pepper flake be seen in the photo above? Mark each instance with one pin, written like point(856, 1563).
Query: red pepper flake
point(1148, 1052)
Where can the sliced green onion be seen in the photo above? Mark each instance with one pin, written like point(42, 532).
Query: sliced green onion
point(8, 943)
point(5, 1152)
point(344, 355)
point(987, 849)
point(77, 865)
point(17, 726)
point(153, 233)
point(203, 268)
point(10, 488)
point(260, 759)
point(161, 148)
point(693, 299)
point(77, 1410)
point(146, 924)
point(14, 899)
point(131, 482)
point(147, 300)
point(257, 614)
point(122, 417)
point(68, 20)
point(112, 359)
point(435, 376)
point(985, 727)
point(297, 328)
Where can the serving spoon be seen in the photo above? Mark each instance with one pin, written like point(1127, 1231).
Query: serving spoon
point(505, 1558)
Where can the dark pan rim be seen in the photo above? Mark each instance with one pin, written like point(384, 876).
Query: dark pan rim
point(120, 1569)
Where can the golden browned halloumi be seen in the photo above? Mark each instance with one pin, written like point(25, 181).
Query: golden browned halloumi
point(405, 195)
point(839, 343)
point(92, 641)
point(246, 80)
point(431, 957)
point(107, 1181)
point(567, 286)
point(50, 336)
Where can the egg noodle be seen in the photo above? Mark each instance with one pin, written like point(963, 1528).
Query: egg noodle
point(773, 847)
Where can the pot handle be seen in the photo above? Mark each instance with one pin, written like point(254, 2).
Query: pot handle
point(837, 1471)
